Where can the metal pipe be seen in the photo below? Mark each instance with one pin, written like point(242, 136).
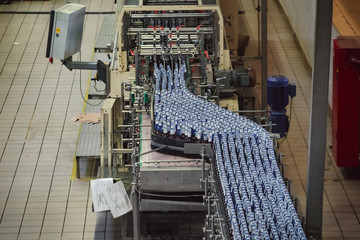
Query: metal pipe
point(170, 161)
point(84, 65)
point(318, 119)
point(169, 15)
point(251, 111)
point(209, 205)
point(159, 47)
point(181, 30)
point(206, 187)
point(174, 38)
point(154, 150)
point(208, 85)
point(136, 215)
point(128, 111)
point(264, 54)
point(135, 195)
point(212, 225)
point(126, 126)
point(122, 150)
point(114, 50)
point(136, 139)
point(70, 64)
point(137, 65)
point(203, 163)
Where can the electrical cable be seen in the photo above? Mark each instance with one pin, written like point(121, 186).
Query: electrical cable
point(291, 101)
point(81, 92)
point(96, 89)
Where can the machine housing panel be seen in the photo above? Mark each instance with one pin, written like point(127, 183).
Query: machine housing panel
point(67, 31)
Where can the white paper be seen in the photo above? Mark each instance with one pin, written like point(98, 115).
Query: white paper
point(117, 199)
point(97, 192)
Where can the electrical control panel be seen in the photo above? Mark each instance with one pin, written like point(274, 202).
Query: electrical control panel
point(346, 102)
point(65, 32)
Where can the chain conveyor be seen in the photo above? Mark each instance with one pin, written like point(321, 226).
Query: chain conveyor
point(256, 201)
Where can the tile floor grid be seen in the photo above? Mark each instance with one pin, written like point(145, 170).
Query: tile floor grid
point(50, 205)
point(55, 164)
point(25, 231)
point(80, 228)
point(9, 139)
point(27, 132)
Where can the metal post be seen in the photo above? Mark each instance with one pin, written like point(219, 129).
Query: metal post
point(318, 117)
point(263, 54)
point(203, 164)
point(135, 169)
point(137, 65)
point(135, 197)
point(136, 213)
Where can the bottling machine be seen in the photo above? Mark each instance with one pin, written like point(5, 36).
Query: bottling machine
point(164, 132)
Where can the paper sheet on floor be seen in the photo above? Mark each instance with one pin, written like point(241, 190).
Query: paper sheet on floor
point(97, 192)
point(117, 199)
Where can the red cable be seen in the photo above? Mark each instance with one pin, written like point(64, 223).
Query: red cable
point(180, 27)
point(193, 68)
point(162, 28)
point(207, 54)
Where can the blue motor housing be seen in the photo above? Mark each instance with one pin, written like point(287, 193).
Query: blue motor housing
point(279, 91)
point(280, 122)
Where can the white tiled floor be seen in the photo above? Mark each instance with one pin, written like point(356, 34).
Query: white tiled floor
point(38, 139)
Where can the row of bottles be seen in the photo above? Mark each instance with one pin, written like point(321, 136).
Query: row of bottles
point(256, 199)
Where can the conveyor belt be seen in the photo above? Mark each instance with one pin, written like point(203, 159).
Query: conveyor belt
point(106, 35)
point(255, 198)
point(89, 139)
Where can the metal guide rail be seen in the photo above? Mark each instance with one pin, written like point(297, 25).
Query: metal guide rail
point(156, 2)
point(250, 197)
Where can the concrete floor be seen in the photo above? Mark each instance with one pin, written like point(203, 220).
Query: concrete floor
point(39, 198)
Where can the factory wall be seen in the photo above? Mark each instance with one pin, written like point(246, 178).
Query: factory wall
point(301, 15)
